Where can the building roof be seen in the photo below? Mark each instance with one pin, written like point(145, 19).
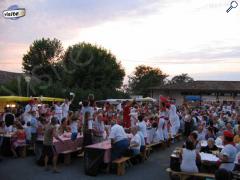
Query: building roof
point(6, 76)
point(232, 86)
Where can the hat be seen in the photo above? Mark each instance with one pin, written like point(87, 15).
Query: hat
point(228, 134)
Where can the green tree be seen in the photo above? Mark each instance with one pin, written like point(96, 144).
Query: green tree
point(41, 61)
point(182, 78)
point(145, 77)
point(92, 69)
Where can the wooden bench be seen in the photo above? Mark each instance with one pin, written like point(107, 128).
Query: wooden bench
point(23, 151)
point(146, 153)
point(184, 175)
point(154, 144)
point(67, 155)
point(121, 165)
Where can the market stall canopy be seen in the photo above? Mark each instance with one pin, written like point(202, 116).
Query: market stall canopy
point(14, 99)
point(146, 99)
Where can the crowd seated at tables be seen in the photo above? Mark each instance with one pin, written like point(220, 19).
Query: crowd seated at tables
point(208, 128)
point(212, 138)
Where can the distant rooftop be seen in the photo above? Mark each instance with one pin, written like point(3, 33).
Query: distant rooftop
point(202, 86)
point(6, 76)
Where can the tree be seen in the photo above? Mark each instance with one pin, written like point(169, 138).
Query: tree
point(90, 68)
point(41, 61)
point(182, 78)
point(145, 77)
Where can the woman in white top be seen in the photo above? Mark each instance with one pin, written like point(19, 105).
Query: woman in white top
point(160, 129)
point(189, 157)
point(174, 120)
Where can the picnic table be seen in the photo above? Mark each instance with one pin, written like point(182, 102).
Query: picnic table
point(104, 146)
point(60, 147)
point(204, 144)
point(68, 143)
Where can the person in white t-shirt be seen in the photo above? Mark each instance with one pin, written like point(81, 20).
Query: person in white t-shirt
point(142, 127)
point(133, 116)
point(58, 113)
point(65, 106)
point(119, 141)
point(27, 116)
point(135, 143)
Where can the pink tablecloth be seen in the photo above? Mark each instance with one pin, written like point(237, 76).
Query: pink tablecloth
point(68, 144)
point(106, 146)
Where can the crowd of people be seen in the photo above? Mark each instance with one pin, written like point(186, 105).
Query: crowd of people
point(127, 125)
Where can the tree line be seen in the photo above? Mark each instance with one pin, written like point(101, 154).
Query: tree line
point(82, 68)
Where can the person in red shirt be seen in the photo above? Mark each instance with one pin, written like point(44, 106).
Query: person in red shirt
point(126, 115)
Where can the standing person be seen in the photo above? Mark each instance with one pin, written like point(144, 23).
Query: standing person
point(87, 130)
point(133, 116)
point(126, 115)
point(8, 117)
point(34, 124)
point(160, 129)
point(187, 124)
point(98, 129)
point(58, 111)
point(28, 111)
point(142, 127)
point(174, 120)
point(119, 141)
point(48, 147)
point(65, 106)
point(2, 131)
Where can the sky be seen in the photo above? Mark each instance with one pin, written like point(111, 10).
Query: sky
point(196, 37)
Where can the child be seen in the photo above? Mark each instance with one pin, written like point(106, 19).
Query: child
point(74, 127)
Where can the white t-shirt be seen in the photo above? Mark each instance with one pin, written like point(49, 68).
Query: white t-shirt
point(58, 112)
point(136, 140)
point(65, 109)
point(74, 127)
point(230, 151)
point(142, 138)
point(27, 114)
point(143, 128)
point(189, 161)
point(90, 124)
point(117, 133)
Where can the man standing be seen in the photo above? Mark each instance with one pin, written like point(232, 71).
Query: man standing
point(66, 104)
point(48, 147)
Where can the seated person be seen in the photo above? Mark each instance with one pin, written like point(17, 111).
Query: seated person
point(119, 141)
point(236, 138)
point(193, 137)
point(143, 143)
point(210, 146)
point(20, 139)
point(201, 133)
point(135, 143)
point(210, 133)
point(189, 157)
point(223, 174)
point(228, 153)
